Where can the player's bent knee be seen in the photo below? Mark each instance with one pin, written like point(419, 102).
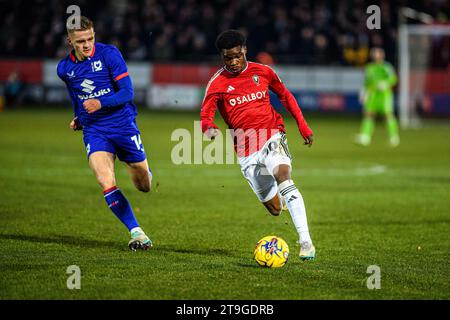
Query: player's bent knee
point(282, 173)
point(106, 182)
point(275, 212)
point(144, 185)
point(273, 208)
point(144, 188)
point(142, 179)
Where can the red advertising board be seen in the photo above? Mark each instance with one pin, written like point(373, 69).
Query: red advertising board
point(183, 74)
point(30, 71)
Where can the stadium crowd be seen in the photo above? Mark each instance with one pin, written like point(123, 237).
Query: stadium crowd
point(320, 32)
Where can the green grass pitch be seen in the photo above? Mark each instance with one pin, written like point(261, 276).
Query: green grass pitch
point(366, 206)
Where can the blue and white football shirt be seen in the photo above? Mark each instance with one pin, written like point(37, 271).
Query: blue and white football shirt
point(96, 78)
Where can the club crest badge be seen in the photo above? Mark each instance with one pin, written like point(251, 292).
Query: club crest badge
point(256, 79)
point(97, 66)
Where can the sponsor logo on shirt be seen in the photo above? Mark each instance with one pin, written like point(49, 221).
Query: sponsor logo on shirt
point(247, 98)
point(88, 87)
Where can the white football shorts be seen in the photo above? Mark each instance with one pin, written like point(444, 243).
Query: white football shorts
point(258, 168)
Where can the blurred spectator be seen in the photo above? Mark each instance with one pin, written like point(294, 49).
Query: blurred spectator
point(355, 51)
point(162, 50)
point(305, 45)
point(13, 90)
point(264, 58)
point(135, 49)
point(321, 49)
point(298, 31)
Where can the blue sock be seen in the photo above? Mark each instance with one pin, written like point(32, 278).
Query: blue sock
point(121, 207)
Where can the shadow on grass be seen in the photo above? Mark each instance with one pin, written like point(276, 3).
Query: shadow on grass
point(248, 265)
point(88, 243)
point(200, 251)
point(212, 258)
point(63, 240)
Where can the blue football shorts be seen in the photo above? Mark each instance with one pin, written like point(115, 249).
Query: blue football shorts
point(127, 145)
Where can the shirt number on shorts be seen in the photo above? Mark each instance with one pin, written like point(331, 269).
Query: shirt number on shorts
point(138, 142)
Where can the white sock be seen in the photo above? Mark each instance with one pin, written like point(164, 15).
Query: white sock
point(296, 206)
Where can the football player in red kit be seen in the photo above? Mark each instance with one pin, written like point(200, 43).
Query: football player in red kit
point(241, 92)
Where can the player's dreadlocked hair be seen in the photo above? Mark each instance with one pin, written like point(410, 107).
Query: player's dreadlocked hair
point(229, 39)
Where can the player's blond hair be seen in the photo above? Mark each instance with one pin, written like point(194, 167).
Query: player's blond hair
point(85, 24)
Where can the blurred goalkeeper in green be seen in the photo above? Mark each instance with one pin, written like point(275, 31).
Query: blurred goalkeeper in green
point(377, 98)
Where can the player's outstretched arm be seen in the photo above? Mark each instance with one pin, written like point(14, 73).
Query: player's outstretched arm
point(289, 102)
point(209, 106)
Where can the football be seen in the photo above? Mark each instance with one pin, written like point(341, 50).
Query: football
point(271, 252)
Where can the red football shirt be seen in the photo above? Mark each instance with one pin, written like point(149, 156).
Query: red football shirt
point(243, 101)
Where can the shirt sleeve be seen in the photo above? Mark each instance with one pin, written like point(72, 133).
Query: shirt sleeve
point(73, 99)
point(116, 64)
point(119, 72)
point(209, 107)
point(62, 75)
point(60, 71)
point(289, 102)
point(123, 95)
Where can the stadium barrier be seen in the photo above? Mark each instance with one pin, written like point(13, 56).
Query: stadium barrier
point(182, 86)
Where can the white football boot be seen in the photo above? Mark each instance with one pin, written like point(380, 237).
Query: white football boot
point(139, 240)
point(307, 251)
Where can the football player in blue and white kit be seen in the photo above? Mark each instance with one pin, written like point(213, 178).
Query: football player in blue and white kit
point(100, 88)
